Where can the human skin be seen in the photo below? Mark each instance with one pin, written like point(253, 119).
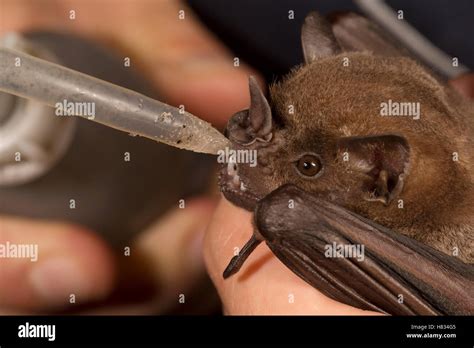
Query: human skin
point(190, 67)
point(187, 66)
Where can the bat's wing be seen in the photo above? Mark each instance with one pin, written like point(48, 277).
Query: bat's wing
point(397, 275)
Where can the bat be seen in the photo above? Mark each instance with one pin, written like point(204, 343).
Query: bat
point(361, 151)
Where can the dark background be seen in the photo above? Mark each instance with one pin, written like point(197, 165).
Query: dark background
point(260, 33)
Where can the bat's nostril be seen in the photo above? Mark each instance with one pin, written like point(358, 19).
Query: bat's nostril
point(232, 168)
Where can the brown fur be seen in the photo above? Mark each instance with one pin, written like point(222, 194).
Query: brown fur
point(332, 101)
point(345, 101)
point(337, 96)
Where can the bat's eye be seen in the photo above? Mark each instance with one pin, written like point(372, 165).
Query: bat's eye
point(309, 165)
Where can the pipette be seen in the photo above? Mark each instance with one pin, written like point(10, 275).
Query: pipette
point(26, 76)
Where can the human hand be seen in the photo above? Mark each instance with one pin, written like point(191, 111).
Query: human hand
point(209, 87)
point(187, 66)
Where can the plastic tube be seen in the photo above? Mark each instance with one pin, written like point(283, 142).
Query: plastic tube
point(117, 107)
point(411, 38)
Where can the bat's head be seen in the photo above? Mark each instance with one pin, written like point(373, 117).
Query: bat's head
point(365, 130)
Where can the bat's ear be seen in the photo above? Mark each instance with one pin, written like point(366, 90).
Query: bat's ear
point(248, 126)
point(317, 38)
point(385, 160)
point(357, 33)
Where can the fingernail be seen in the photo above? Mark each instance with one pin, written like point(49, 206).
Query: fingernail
point(60, 281)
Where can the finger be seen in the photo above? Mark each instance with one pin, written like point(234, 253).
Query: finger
point(188, 64)
point(163, 39)
point(164, 265)
point(23, 15)
point(263, 285)
point(45, 266)
point(172, 250)
point(464, 84)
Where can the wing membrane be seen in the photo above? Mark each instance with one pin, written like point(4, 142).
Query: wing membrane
point(429, 282)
